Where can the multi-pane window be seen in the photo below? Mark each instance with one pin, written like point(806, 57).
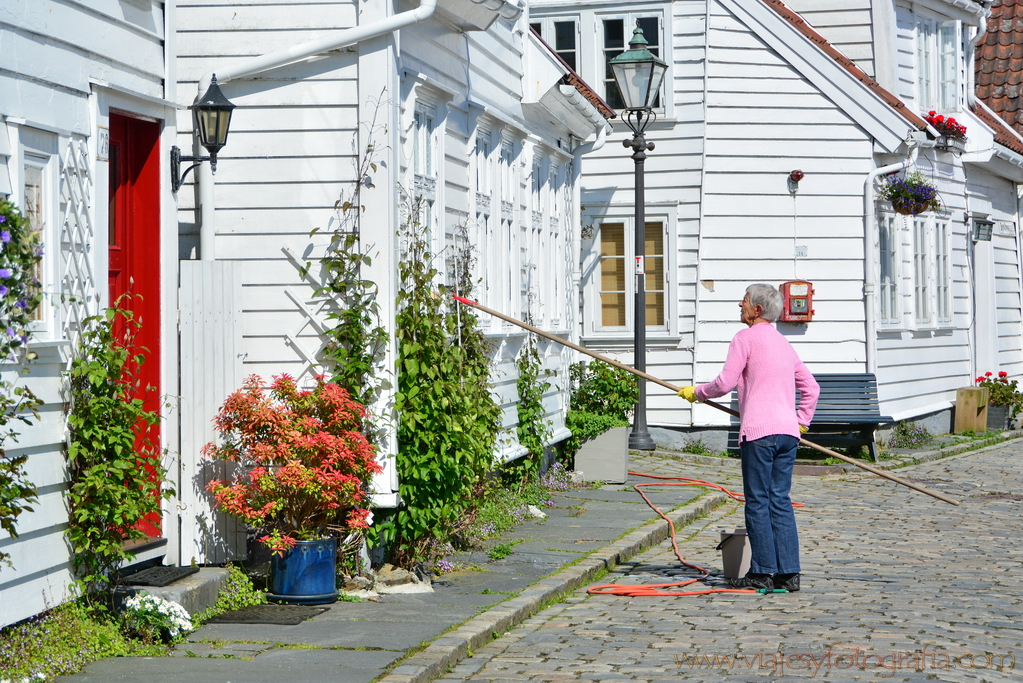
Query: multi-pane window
point(35, 206)
point(616, 34)
point(942, 272)
point(563, 36)
point(921, 272)
point(423, 162)
point(616, 285)
point(887, 233)
point(937, 64)
point(483, 171)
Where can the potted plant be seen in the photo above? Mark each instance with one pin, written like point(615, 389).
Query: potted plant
point(304, 467)
point(911, 194)
point(952, 133)
point(1004, 401)
point(603, 397)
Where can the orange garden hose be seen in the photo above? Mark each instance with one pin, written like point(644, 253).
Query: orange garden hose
point(653, 589)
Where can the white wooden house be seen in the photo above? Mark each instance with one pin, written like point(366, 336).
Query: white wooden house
point(473, 114)
point(467, 111)
point(86, 114)
point(753, 92)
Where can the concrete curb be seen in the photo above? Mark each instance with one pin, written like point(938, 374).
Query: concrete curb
point(454, 646)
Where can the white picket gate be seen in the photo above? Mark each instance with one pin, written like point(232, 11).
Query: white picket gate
point(211, 368)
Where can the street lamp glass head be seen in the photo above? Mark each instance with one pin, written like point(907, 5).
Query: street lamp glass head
point(638, 73)
point(211, 115)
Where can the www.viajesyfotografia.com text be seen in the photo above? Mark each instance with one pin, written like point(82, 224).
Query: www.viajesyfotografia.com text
point(849, 657)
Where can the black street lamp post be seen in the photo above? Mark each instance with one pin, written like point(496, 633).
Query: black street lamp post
point(638, 74)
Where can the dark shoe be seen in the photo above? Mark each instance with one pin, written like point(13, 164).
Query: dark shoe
point(789, 582)
point(751, 580)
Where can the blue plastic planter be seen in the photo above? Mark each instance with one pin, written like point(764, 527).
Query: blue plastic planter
point(305, 575)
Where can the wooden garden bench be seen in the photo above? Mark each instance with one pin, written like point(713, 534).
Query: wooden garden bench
point(847, 411)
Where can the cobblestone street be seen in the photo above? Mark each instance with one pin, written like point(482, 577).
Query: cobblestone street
point(896, 586)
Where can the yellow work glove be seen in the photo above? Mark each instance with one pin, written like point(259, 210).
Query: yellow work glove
point(803, 429)
point(688, 393)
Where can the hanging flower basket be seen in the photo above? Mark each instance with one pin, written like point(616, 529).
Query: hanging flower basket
point(910, 195)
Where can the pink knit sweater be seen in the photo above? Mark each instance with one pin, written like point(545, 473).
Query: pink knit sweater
point(765, 367)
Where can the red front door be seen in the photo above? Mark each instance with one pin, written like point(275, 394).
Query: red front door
point(134, 251)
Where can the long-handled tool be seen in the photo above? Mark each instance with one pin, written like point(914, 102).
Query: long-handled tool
point(675, 389)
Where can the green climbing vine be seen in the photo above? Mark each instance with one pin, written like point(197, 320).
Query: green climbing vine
point(20, 296)
point(116, 477)
point(534, 429)
point(448, 421)
point(356, 339)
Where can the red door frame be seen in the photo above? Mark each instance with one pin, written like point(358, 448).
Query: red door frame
point(134, 251)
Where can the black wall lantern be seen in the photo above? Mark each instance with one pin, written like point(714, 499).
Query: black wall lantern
point(211, 119)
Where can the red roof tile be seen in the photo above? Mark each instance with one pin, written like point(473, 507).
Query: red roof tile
point(999, 65)
point(572, 78)
point(800, 24)
point(1003, 134)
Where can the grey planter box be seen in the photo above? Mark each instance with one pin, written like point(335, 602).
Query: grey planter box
point(605, 458)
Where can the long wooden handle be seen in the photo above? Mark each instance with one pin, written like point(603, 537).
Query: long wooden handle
point(675, 389)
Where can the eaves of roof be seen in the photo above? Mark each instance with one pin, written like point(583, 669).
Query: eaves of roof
point(572, 78)
point(1004, 134)
point(800, 25)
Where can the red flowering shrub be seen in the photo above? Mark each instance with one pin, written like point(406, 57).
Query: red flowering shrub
point(948, 127)
point(305, 464)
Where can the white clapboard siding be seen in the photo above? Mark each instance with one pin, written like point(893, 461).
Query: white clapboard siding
point(846, 24)
point(209, 302)
point(40, 576)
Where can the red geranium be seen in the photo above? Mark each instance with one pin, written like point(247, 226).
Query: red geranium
point(1002, 391)
point(307, 464)
point(948, 127)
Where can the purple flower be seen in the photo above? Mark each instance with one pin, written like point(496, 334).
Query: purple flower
point(3, 290)
point(5, 272)
point(21, 303)
point(3, 219)
point(39, 251)
point(5, 236)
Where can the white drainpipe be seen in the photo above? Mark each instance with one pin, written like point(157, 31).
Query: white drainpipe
point(869, 224)
point(247, 67)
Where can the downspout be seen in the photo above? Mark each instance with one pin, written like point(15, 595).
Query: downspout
point(869, 236)
point(272, 60)
point(577, 239)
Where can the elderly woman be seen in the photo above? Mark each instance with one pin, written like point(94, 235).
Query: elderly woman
point(767, 371)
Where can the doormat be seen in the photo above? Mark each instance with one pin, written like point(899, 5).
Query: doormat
point(283, 615)
point(158, 576)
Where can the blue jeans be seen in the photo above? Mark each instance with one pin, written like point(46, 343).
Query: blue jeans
point(770, 523)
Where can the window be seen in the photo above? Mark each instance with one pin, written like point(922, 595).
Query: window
point(887, 231)
point(616, 34)
point(921, 272)
point(423, 164)
point(35, 206)
point(483, 171)
point(563, 36)
point(937, 64)
point(616, 283)
point(942, 272)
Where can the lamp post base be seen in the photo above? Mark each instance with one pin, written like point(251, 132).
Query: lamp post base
point(641, 441)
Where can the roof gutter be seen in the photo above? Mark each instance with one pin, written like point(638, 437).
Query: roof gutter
point(272, 60)
point(869, 238)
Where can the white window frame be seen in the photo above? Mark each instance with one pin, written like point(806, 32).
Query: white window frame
point(593, 326)
point(888, 290)
point(549, 35)
point(943, 299)
point(923, 290)
point(44, 156)
point(629, 24)
point(939, 63)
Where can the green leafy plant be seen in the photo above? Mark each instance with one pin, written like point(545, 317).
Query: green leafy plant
point(116, 477)
point(448, 420)
point(1002, 391)
point(356, 340)
point(909, 435)
point(534, 429)
point(306, 465)
point(500, 551)
point(603, 397)
point(152, 619)
point(62, 640)
point(20, 296)
point(237, 592)
point(696, 447)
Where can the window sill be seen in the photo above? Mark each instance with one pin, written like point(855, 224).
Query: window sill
point(654, 341)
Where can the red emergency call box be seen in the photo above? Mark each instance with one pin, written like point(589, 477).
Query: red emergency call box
point(797, 301)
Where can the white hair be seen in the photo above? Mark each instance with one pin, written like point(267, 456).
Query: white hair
point(768, 298)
